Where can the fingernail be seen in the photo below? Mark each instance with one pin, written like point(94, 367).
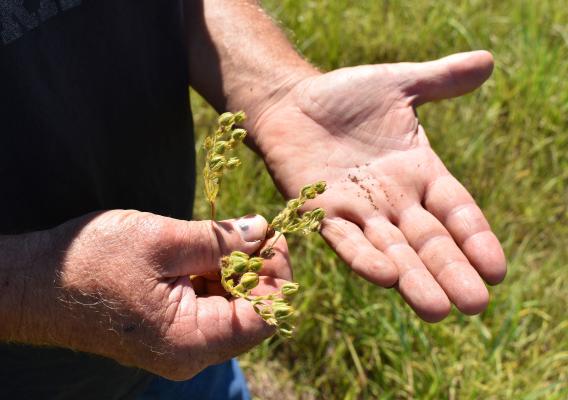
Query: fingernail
point(252, 228)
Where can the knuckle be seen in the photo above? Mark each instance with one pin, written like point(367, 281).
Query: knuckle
point(203, 240)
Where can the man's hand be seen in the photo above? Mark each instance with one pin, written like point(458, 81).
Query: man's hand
point(117, 284)
point(395, 213)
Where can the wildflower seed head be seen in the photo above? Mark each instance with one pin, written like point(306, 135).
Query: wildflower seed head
point(255, 264)
point(290, 289)
point(285, 333)
point(249, 280)
point(233, 163)
point(282, 312)
point(294, 204)
point(308, 192)
point(317, 214)
point(238, 255)
point(239, 117)
point(226, 119)
point(217, 163)
point(240, 266)
point(221, 147)
point(238, 135)
point(237, 262)
point(208, 143)
point(320, 187)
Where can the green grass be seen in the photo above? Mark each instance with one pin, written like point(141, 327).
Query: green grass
point(508, 143)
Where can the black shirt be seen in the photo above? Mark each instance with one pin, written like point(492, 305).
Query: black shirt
point(94, 115)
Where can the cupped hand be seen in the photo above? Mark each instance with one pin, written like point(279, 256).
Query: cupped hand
point(395, 213)
point(123, 290)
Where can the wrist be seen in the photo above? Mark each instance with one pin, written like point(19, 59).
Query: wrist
point(27, 276)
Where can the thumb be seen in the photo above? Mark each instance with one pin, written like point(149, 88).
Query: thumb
point(447, 77)
point(199, 245)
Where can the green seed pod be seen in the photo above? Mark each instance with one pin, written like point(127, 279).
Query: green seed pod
point(294, 204)
point(285, 333)
point(282, 312)
point(217, 163)
point(238, 255)
point(308, 192)
point(320, 187)
point(318, 214)
point(249, 280)
point(233, 163)
point(240, 266)
point(290, 289)
point(255, 264)
point(314, 226)
point(208, 143)
point(238, 261)
point(285, 329)
point(221, 147)
point(239, 117)
point(226, 119)
point(238, 135)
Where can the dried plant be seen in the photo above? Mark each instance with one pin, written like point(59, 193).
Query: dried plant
point(239, 271)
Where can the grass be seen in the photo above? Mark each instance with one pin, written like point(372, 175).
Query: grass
point(508, 143)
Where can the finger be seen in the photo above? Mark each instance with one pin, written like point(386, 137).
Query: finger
point(445, 261)
point(353, 247)
point(415, 283)
point(196, 247)
point(447, 77)
point(277, 265)
point(451, 204)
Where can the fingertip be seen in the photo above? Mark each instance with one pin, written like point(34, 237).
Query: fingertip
point(477, 66)
point(424, 295)
point(486, 254)
point(436, 310)
point(386, 274)
point(482, 65)
point(251, 228)
point(473, 303)
point(496, 274)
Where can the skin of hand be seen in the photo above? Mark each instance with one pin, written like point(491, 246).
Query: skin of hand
point(117, 284)
point(395, 213)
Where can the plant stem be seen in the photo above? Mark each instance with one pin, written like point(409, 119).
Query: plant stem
point(270, 248)
point(213, 210)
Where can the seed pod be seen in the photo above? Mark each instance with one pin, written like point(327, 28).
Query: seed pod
point(255, 264)
point(294, 204)
point(308, 192)
point(290, 289)
point(239, 134)
point(208, 143)
point(282, 312)
point(318, 214)
point(249, 280)
point(240, 266)
point(238, 255)
point(320, 187)
point(239, 117)
point(226, 119)
point(233, 163)
point(221, 147)
point(217, 163)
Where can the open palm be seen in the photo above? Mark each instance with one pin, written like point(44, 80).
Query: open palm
point(395, 213)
